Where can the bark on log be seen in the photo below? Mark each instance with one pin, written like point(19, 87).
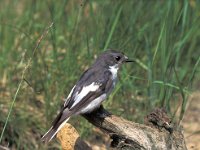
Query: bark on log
point(157, 135)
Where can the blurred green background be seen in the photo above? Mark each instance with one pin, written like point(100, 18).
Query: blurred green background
point(38, 69)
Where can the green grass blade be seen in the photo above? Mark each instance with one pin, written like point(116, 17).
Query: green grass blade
point(11, 106)
point(194, 70)
point(158, 43)
point(112, 28)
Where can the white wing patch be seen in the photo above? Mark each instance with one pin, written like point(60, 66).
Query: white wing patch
point(85, 90)
point(70, 94)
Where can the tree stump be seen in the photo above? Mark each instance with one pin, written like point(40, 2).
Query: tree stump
point(156, 134)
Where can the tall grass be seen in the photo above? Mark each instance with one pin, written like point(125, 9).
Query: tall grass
point(162, 37)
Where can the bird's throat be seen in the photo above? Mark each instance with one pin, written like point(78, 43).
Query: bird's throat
point(114, 70)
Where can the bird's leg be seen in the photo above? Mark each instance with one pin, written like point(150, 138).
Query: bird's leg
point(99, 112)
point(102, 113)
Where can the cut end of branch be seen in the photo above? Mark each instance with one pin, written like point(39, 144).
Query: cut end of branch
point(70, 139)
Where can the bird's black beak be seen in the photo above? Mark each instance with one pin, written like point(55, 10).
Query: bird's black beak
point(128, 60)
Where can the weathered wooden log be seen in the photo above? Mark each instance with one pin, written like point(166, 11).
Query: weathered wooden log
point(157, 134)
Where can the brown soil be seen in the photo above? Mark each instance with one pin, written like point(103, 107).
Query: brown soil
point(191, 122)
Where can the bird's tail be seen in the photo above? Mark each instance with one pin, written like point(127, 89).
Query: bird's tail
point(58, 123)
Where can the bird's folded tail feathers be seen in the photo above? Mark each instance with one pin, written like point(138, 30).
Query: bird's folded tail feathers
point(57, 124)
point(52, 132)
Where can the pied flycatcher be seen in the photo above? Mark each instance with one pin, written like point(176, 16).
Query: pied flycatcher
point(91, 90)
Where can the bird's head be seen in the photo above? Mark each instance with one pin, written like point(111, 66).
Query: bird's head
point(112, 58)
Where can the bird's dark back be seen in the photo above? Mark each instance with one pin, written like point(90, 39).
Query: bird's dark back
point(91, 75)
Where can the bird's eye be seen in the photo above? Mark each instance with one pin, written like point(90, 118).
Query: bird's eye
point(117, 58)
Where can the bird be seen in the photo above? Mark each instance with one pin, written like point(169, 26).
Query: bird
point(93, 87)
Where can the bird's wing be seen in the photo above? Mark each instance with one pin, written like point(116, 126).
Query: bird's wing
point(67, 100)
point(77, 88)
point(104, 85)
point(92, 88)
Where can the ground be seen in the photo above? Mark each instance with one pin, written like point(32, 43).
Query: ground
point(191, 122)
